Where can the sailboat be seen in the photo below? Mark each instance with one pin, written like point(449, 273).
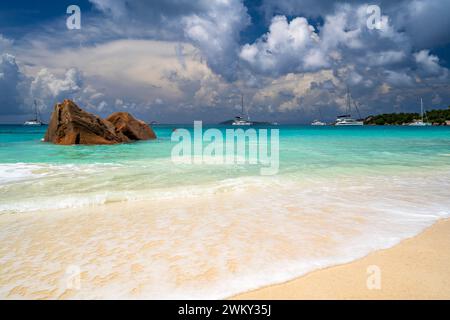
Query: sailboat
point(420, 123)
point(346, 119)
point(35, 121)
point(239, 120)
point(318, 122)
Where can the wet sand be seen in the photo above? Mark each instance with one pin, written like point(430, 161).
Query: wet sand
point(417, 268)
point(132, 251)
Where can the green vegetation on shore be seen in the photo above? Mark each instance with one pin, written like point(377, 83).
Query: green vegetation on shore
point(439, 116)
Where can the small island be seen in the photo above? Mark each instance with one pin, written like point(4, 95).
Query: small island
point(439, 117)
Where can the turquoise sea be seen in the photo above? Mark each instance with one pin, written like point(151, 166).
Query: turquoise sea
point(31, 169)
point(340, 193)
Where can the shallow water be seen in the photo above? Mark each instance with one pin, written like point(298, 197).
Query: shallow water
point(150, 228)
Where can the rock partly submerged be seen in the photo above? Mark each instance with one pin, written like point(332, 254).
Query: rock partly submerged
point(132, 128)
point(69, 125)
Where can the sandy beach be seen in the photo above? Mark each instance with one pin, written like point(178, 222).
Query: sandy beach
point(125, 222)
point(417, 268)
point(123, 250)
point(224, 150)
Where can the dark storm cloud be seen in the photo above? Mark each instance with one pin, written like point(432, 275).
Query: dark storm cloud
point(306, 54)
point(12, 82)
point(425, 21)
point(213, 26)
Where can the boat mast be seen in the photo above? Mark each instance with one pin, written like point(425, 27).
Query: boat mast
point(35, 111)
point(348, 101)
point(357, 109)
point(421, 108)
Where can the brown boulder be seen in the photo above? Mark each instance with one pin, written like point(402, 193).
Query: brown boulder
point(69, 125)
point(130, 127)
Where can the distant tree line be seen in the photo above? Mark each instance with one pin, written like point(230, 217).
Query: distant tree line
point(439, 116)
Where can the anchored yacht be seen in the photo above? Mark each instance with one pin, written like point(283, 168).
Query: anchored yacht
point(420, 123)
point(346, 119)
point(240, 120)
point(318, 123)
point(35, 121)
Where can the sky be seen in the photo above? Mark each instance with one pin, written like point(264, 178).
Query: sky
point(176, 61)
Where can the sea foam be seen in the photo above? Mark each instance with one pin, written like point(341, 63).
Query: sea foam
point(216, 239)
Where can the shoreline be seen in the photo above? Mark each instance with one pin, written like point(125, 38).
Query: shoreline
point(416, 268)
point(41, 250)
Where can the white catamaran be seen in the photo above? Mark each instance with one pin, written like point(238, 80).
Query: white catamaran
point(346, 119)
point(420, 123)
point(35, 121)
point(239, 120)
